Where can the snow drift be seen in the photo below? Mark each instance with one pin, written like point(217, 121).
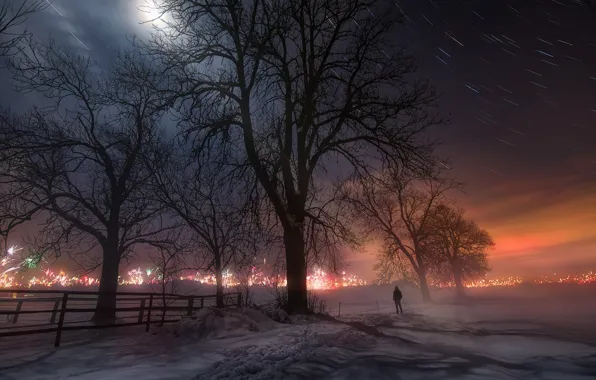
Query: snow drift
point(218, 323)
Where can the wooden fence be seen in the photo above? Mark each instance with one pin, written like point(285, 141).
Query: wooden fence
point(27, 312)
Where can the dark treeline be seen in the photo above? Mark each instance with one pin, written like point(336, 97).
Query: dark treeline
point(299, 128)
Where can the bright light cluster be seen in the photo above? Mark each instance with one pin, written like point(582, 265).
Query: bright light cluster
point(485, 283)
point(581, 279)
point(584, 278)
point(10, 266)
point(319, 280)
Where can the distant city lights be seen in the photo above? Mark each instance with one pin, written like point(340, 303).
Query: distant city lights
point(319, 279)
point(11, 267)
point(11, 276)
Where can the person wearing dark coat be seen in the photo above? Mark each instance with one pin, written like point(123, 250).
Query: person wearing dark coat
point(397, 296)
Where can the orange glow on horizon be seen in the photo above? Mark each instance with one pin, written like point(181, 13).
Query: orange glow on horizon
point(538, 227)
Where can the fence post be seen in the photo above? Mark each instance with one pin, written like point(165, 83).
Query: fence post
point(202, 302)
point(149, 313)
point(15, 318)
point(339, 310)
point(239, 301)
point(142, 311)
point(191, 301)
point(55, 311)
point(61, 320)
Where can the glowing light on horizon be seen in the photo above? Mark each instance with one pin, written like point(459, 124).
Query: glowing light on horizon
point(317, 279)
point(485, 283)
point(10, 267)
point(579, 279)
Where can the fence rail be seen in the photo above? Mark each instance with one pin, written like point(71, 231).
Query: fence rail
point(22, 306)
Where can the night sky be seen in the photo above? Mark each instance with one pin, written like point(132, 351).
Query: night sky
point(518, 79)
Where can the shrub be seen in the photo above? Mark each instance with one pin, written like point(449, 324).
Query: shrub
point(316, 305)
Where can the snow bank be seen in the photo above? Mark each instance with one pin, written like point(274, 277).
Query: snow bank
point(304, 345)
point(218, 323)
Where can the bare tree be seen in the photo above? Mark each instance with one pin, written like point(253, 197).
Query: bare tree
point(167, 265)
point(459, 246)
point(13, 13)
point(305, 90)
point(328, 231)
point(170, 260)
point(391, 266)
point(80, 165)
point(395, 206)
point(12, 16)
point(213, 202)
point(13, 211)
point(245, 285)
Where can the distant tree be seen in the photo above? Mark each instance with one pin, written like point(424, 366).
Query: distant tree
point(169, 261)
point(213, 201)
point(13, 13)
point(458, 246)
point(395, 207)
point(167, 265)
point(298, 88)
point(392, 266)
point(78, 167)
point(244, 286)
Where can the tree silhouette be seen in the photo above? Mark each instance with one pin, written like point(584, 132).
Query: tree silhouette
point(458, 245)
point(13, 14)
point(212, 202)
point(302, 90)
point(396, 207)
point(79, 166)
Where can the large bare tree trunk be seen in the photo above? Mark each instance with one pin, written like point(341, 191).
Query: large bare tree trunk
point(105, 310)
point(219, 292)
point(295, 270)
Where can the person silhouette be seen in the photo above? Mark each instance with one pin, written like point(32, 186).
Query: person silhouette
point(397, 296)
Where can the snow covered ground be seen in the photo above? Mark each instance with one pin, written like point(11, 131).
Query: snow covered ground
point(533, 333)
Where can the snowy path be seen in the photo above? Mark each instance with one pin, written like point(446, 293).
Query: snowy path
point(395, 348)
